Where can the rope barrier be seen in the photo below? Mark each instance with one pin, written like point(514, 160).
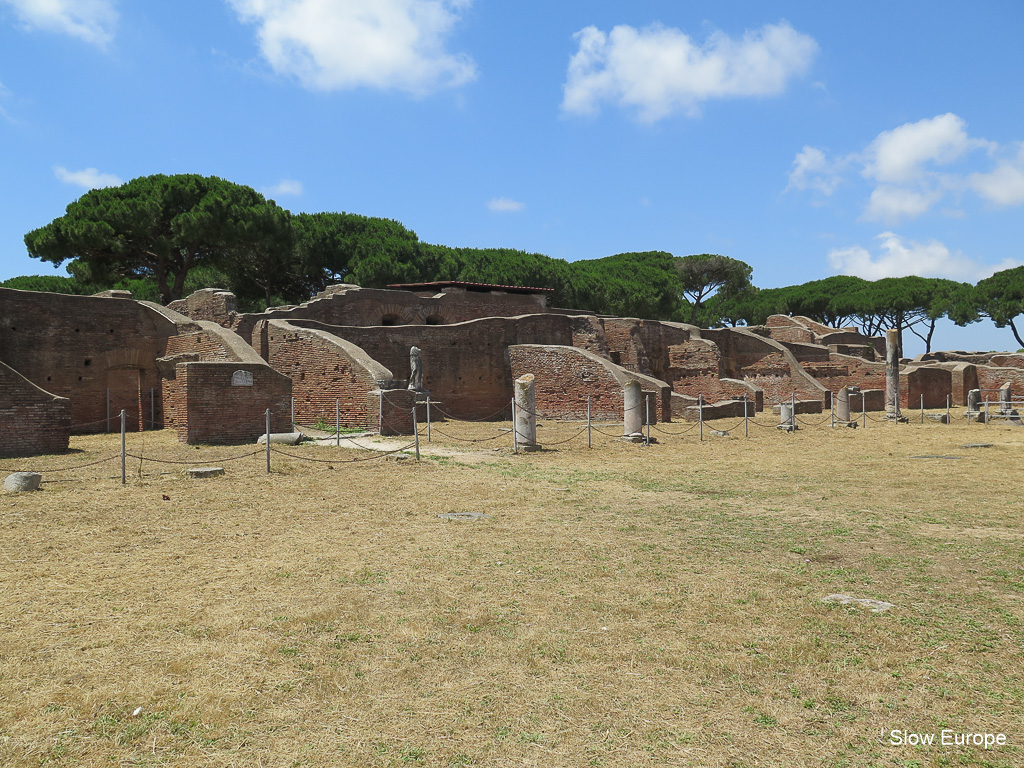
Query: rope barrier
point(663, 431)
point(379, 455)
point(563, 442)
point(94, 423)
point(467, 439)
point(443, 412)
point(204, 461)
point(67, 469)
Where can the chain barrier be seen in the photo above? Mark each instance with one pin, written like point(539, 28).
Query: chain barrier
point(810, 423)
point(663, 431)
point(435, 430)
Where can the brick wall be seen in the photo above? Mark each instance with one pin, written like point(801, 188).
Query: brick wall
point(32, 421)
point(990, 378)
point(567, 376)
point(216, 411)
point(78, 347)
point(354, 306)
point(326, 372)
point(466, 366)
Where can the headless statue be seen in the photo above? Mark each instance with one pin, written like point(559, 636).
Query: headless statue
point(415, 369)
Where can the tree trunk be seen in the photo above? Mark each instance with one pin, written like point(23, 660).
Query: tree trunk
point(1015, 334)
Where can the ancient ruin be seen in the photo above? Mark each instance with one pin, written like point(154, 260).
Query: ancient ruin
point(70, 364)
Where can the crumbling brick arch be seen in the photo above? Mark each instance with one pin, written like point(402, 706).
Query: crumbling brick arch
point(396, 314)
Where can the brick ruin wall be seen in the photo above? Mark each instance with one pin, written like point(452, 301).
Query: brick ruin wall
point(356, 306)
point(329, 375)
point(466, 366)
point(78, 347)
point(218, 410)
point(32, 421)
point(991, 378)
point(567, 376)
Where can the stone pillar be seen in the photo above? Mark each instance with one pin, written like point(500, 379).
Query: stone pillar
point(786, 414)
point(974, 400)
point(526, 412)
point(843, 405)
point(892, 374)
point(632, 409)
point(1005, 396)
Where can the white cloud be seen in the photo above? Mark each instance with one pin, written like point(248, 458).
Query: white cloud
point(90, 20)
point(659, 70)
point(89, 178)
point(1005, 184)
point(908, 168)
point(898, 258)
point(890, 204)
point(899, 156)
point(283, 188)
point(343, 44)
point(813, 170)
point(504, 205)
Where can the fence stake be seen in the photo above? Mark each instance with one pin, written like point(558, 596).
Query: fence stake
point(746, 418)
point(337, 422)
point(108, 410)
point(268, 441)
point(922, 408)
point(416, 431)
point(832, 398)
point(152, 408)
point(588, 421)
point(123, 477)
point(986, 410)
point(293, 413)
point(863, 410)
point(700, 415)
point(948, 420)
point(428, 417)
point(515, 435)
point(380, 413)
point(792, 413)
point(647, 418)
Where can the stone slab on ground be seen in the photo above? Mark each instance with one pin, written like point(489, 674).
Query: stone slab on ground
point(204, 471)
point(22, 481)
point(878, 606)
point(282, 438)
point(464, 516)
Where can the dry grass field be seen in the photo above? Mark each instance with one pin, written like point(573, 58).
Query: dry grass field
point(626, 605)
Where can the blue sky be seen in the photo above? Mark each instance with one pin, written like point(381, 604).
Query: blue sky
point(807, 139)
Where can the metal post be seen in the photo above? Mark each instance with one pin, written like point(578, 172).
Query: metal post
point(746, 418)
point(337, 422)
point(948, 420)
point(428, 417)
point(416, 431)
point(588, 421)
point(268, 441)
point(922, 408)
point(293, 414)
point(863, 410)
point(380, 413)
point(515, 436)
point(123, 477)
point(647, 418)
point(792, 413)
point(152, 408)
point(700, 415)
point(108, 410)
point(986, 410)
point(833, 399)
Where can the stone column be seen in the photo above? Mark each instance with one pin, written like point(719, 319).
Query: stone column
point(843, 406)
point(892, 374)
point(632, 409)
point(526, 412)
point(974, 400)
point(1005, 396)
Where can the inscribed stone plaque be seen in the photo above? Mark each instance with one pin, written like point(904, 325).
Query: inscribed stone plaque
point(241, 379)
